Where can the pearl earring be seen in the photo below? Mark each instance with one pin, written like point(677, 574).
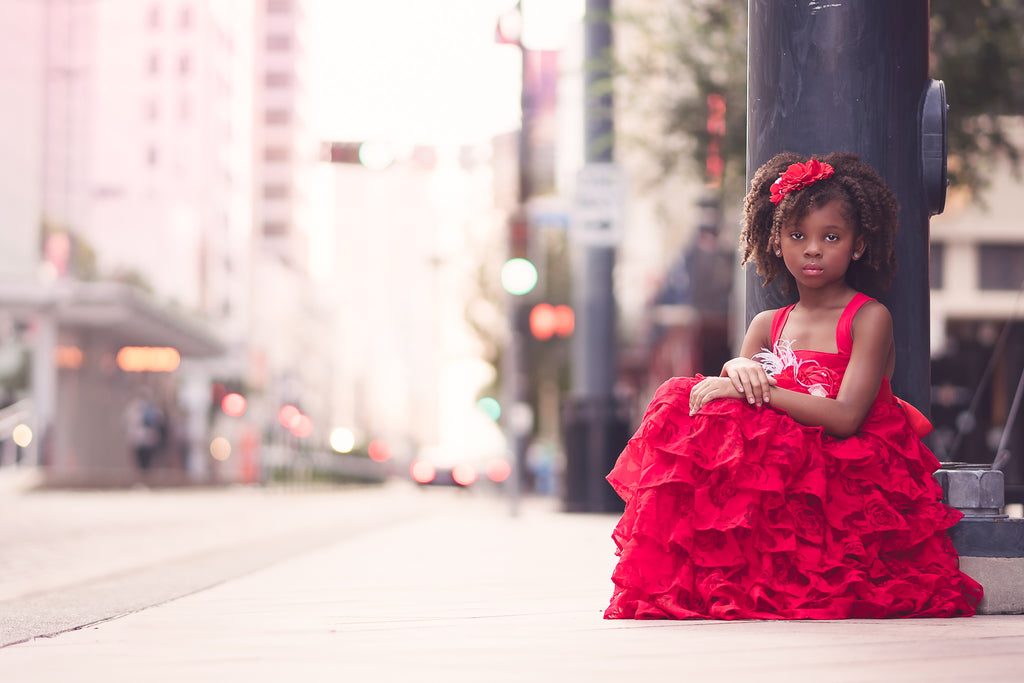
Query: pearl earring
point(856, 256)
point(778, 252)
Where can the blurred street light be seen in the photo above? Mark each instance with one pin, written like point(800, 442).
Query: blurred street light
point(343, 440)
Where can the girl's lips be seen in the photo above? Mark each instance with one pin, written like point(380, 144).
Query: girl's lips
point(812, 269)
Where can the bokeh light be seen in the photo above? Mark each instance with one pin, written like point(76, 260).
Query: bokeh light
point(148, 359)
point(220, 448)
point(342, 440)
point(498, 471)
point(378, 450)
point(22, 435)
point(548, 321)
point(301, 426)
point(69, 357)
point(490, 406)
point(286, 414)
point(234, 404)
point(518, 276)
point(464, 474)
point(422, 472)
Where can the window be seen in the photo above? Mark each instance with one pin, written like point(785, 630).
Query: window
point(279, 6)
point(153, 17)
point(277, 79)
point(185, 18)
point(277, 154)
point(275, 228)
point(278, 42)
point(152, 110)
point(152, 156)
point(1001, 266)
point(277, 116)
point(276, 192)
point(184, 65)
point(153, 65)
point(936, 252)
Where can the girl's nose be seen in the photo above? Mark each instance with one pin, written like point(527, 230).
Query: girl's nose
point(812, 248)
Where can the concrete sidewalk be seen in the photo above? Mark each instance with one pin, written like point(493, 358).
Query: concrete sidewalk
point(468, 592)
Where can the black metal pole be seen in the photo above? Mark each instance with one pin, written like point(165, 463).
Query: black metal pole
point(596, 317)
point(515, 359)
point(594, 431)
point(853, 77)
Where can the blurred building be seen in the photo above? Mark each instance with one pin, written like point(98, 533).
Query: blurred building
point(405, 275)
point(977, 321)
point(21, 91)
point(289, 335)
point(130, 165)
point(21, 198)
point(147, 147)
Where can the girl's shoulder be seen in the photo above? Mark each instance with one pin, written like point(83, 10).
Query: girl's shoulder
point(762, 322)
point(872, 311)
point(760, 327)
point(872, 321)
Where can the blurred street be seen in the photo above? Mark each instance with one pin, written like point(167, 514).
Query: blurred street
point(393, 583)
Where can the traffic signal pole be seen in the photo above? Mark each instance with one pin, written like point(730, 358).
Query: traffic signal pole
point(594, 431)
point(516, 419)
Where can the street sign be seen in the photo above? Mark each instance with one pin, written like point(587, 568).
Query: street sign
point(599, 205)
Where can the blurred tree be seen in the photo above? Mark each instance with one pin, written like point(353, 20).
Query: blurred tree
point(976, 48)
point(682, 52)
point(677, 55)
point(82, 263)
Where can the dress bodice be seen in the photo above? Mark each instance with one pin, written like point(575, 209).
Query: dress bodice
point(814, 372)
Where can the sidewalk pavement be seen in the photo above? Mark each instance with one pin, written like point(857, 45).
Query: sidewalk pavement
point(467, 591)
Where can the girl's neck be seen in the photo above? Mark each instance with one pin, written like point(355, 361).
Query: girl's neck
point(827, 298)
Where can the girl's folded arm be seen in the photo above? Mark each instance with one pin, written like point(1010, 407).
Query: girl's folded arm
point(843, 415)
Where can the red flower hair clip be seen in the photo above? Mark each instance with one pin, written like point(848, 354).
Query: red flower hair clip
point(799, 176)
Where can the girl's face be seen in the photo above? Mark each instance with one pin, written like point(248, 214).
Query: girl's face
point(818, 249)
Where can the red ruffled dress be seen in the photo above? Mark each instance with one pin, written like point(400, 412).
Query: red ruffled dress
point(741, 512)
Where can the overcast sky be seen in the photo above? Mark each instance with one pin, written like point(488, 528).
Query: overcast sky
point(422, 71)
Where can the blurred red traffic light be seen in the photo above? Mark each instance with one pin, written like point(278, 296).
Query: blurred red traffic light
point(547, 321)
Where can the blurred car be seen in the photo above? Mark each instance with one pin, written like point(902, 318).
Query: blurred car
point(435, 467)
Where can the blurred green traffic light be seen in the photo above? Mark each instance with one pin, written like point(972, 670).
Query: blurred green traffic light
point(518, 276)
point(490, 406)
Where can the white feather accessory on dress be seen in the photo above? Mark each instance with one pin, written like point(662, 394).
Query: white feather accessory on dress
point(783, 356)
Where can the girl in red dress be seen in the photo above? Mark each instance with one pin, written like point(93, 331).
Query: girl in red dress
point(795, 485)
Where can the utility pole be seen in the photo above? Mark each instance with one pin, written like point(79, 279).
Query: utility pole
point(853, 77)
point(519, 276)
point(594, 429)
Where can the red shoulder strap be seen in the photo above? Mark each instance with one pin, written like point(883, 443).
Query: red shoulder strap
point(779, 321)
point(844, 330)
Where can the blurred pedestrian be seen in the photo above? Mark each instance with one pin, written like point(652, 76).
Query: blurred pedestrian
point(147, 429)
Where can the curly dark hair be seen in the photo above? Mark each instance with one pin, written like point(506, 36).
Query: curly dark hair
point(866, 201)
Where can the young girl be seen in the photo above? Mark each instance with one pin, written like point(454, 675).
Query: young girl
point(794, 486)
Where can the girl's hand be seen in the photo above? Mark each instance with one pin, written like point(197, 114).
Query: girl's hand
point(749, 379)
point(711, 389)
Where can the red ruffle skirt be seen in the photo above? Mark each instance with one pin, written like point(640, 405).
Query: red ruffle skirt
point(742, 513)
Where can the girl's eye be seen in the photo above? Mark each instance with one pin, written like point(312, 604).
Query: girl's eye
point(796, 235)
point(832, 238)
